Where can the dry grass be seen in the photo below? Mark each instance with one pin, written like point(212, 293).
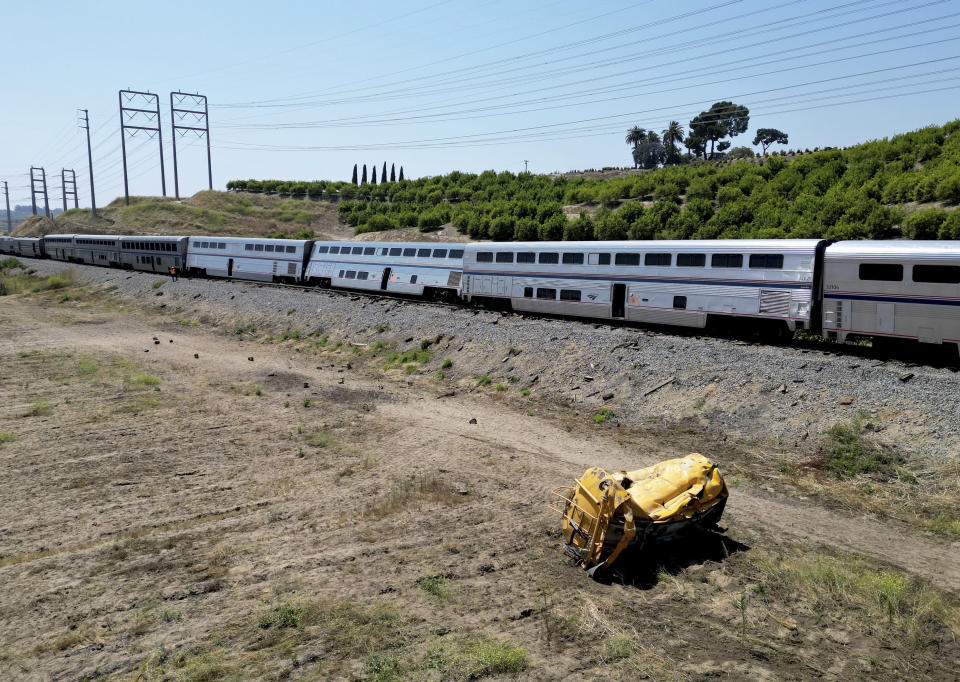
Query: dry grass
point(413, 493)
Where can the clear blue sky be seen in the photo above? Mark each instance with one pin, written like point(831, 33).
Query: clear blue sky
point(303, 90)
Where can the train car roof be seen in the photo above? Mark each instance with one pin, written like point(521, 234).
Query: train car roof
point(247, 240)
point(778, 245)
point(152, 237)
point(408, 245)
point(58, 235)
point(894, 248)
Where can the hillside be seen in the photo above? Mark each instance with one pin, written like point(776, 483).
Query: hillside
point(905, 186)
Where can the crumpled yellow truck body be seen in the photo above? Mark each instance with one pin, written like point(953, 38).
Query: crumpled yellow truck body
point(603, 513)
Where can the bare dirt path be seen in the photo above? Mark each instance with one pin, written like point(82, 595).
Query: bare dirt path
point(555, 453)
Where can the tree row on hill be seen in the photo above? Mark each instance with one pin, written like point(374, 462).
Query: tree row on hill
point(723, 119)
point(373, 175)
point(867, 191)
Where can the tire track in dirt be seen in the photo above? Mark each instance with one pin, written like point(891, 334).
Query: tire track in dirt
point(556, 454)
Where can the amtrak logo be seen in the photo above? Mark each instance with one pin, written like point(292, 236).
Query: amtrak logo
point(592, 297)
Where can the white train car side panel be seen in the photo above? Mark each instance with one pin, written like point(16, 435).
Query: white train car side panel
point(257, 259)
point(397, 267)
point(893, 289)
point(661, 282)
point(97, 249)
point(29, 247)
point(59, 246)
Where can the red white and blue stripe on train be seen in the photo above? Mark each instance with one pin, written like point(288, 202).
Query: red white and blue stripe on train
point(881, 289)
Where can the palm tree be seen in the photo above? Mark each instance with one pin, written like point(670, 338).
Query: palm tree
point(672, 137)
point(635, 136)
point(652, 137)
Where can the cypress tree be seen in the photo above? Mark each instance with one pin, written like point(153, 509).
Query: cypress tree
point(401, 173)
point(363, 180)
point(393, 173)
point(373, 179)
point(354, 179)
point(383, 175)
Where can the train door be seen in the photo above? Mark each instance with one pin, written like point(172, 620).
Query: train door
point(618, 300)
point(385, 279)
point(230, 267)
point(885, 318)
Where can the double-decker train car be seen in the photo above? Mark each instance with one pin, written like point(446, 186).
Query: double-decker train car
point(683, 283)
point(892, 290)
point(153, 254)
point(58, 246)
point(429, 269)
point(28, 247)
point(97, 249)
point(266, 260)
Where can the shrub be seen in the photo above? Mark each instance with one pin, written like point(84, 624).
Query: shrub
point(924, 224)
point(948, 190)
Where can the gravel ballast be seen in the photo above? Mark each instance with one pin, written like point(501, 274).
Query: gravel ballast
point(777, 396)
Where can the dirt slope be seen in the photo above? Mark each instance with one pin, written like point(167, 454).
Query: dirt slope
point(166, 504)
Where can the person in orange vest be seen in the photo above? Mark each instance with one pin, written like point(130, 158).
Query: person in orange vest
point(173, 272)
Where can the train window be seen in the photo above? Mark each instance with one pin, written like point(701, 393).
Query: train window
point(423, 253)
point(573, 259)
point(351, 274)
point(504, 256)
point(248, 247)
point(455, 253)
point(937, 274)
point(384, 251)
point(484, 256)
point(291, 249)
point(439, 253)
point(528, 292)
point(222, 245)
point(323, 249)
point(691, 260)
point(726, 260)
point(409, 253)
point(680, 302)
point(549, 258)
point(357, 250)
point(662, 259)
point(604, 259)
point(258, 247)
point(547, 293)
point(203, 245)
point(395, 252)
point(627, 259)
point(770, 261)
point(526, 257)
point(196, 245)
point(369, 251)
point(334, 249)
point(341, 274)
point(569, 294)
point(880, 272)
point(362, 275)
point(269, 247)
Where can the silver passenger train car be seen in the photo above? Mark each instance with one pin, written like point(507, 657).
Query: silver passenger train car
point(429, 269)
point(265, 260)
point(683, 283)
point(892, 290)
point(28, 247)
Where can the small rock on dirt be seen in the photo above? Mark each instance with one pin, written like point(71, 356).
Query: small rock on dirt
point(845, 400)
point(607, 396)
point(906, 377)
point(472, 420)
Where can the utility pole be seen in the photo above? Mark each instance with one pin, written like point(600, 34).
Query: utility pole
point(68, 186)
point(85, 124)
point(525, 162)
point(182, 105)
point(6, 192)
point(34, 181)
point(132, 115)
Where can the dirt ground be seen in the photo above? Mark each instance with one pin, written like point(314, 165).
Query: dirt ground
point(179, 503)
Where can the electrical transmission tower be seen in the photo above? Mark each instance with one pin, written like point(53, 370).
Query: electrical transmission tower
point(130, 118)
point(34, 191)
point(184, 110)
point(68, 187)
point(85, 124)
